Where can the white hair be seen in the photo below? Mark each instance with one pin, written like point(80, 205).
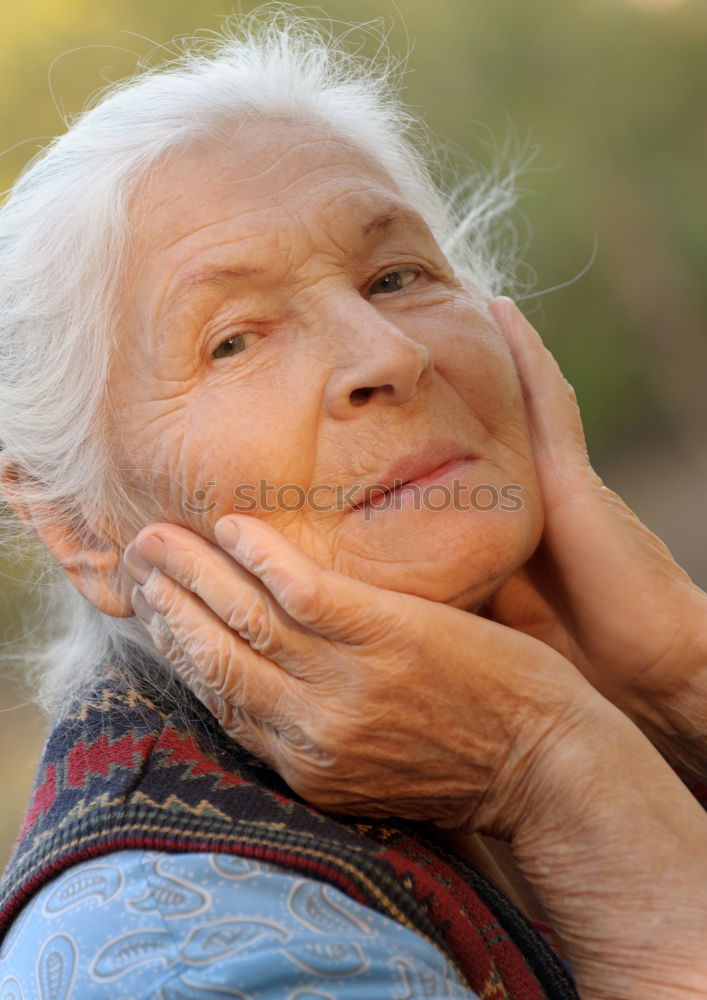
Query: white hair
point(64, 231)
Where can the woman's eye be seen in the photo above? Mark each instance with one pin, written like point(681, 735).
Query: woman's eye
point(393, 281)
point(232, 345)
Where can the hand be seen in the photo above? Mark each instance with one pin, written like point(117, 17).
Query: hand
point(369, 701)
point(601, 588)
point(364, 700)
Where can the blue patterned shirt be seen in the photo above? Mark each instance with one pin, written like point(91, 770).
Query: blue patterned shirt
point(137, 924)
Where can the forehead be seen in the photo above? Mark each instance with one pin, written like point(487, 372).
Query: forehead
point(272, 170)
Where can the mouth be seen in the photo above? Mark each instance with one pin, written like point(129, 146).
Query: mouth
point(412, 473)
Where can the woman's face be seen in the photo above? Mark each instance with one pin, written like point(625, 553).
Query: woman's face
point(293, 335)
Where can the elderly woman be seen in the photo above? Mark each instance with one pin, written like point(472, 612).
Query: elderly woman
point(257, 403)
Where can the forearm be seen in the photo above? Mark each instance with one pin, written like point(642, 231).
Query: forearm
point(616, 850)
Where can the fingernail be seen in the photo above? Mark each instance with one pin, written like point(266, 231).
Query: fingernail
point(227, 533)
point(145, 612)
point(503, 301)
point(154, 549)
point(135, 564)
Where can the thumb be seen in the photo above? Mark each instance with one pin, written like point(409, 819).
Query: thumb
point(330, 603)
point(588, 524)
point(555, 424)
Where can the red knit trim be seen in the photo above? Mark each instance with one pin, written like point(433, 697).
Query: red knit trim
point(99, 756)
point(43, 800)
point(491, 961)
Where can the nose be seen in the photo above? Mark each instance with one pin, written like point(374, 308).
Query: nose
point(383, 365)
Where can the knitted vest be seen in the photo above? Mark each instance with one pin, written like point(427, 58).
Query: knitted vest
point(127, 769)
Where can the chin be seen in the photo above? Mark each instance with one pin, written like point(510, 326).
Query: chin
point(454, 557)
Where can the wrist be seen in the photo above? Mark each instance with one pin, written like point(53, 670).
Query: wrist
point(557, 706)
point(669, 703)
point(614, 848)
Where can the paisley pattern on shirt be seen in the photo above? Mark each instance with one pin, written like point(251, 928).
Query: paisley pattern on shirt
point(136, 924)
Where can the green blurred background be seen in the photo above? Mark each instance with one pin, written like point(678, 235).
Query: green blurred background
point(613, 95)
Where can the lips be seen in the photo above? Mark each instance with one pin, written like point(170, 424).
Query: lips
point(424, 464)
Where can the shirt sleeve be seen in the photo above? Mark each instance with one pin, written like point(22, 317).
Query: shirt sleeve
point(135, 925)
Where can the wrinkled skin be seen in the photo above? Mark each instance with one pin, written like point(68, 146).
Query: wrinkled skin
point(601, 588)
point(339, 377)
point(379, 702)
point(332, 680)
point(340, 647)
point(331, 340)
point(341, 373)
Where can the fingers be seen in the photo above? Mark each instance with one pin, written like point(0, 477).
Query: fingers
point(238, 598)
point(327, 602)
point(203, 652)
point(554, 419)
point(243, 727)
point(605, 558)
point(262, 586)
point(256, 703)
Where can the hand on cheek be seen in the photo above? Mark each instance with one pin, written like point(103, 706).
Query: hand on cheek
point(601, 589)
point(365, 700)
point(377, 703)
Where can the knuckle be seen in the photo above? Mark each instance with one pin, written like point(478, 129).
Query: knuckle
point(170, 648)
point(197, 638)
point(255, 623)
point(296, 741)
point(163, 594)
point(234, 719)
point(191, 677)
point(307, 599)
point(230, 685)
point(212, 653)
point(188, 573)
point(259, 557)
point(163, 638)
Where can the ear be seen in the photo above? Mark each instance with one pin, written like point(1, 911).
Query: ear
point(89, 556)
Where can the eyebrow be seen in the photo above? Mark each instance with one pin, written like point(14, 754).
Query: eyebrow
point(380, 224)
point(229, 276)
point(225, 276)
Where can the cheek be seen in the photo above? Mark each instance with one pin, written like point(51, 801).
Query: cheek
point(240, 435)
point(476, 360)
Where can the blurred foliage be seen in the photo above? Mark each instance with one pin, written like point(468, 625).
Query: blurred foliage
point(611, 92)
